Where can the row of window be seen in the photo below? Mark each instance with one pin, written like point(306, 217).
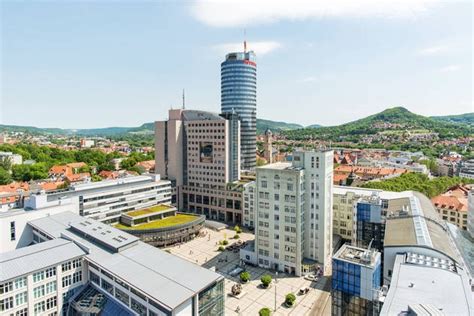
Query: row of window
point(9, 286)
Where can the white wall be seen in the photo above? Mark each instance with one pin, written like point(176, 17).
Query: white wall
point(24, 235)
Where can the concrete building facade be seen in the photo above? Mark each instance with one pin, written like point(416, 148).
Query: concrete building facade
point(290, 206)
point(196, 151)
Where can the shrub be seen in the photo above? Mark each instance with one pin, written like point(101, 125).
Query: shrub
point(245, 276)
point(237, 229)
point(225, 242)
point(221, 248)
point(264, 312)
point(236, 236)
point(290, 299)
point(266, 280)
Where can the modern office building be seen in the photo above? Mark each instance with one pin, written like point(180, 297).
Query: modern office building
point(417, 229)
point(194, 149)
point(369, 228)
point(239, 96)
point(291, 207)
point(426, 285)
point(356, 281)
point(345, 201)
point(107, 200)
point(80, 266)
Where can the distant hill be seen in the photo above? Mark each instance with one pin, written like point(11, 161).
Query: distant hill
point(146, 128)
point(467, 118)
point(274, 126)
point(397, 118)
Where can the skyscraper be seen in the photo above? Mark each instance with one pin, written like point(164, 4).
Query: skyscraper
point(239, 96)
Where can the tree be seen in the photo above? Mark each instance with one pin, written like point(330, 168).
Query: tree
point(237, 229)
point(290, 299)
point(266, 279)
point(29, 172)
point(245, 276)
point(264, 312)
point(96, 178)
point(6, 163)
point(5, 177)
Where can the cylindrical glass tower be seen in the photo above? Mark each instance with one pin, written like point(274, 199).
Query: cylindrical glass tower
point(239, 96)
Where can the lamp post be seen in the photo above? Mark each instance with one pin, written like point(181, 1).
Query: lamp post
point(276, 281)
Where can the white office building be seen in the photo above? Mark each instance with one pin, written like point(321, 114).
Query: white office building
point(80, 266)
point(106, 200)
point(290, 206)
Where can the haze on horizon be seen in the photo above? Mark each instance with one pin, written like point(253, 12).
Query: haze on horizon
point(91, 65)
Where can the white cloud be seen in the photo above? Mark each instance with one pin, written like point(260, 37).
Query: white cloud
point(450, 68)
point(260, 48)
point(309, 79)
point(434, 50)
point(231, 13)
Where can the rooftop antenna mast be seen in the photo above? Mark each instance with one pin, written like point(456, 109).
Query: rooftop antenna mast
point(184, 100)
point(245, 41)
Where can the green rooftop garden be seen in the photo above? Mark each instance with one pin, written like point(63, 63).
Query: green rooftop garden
point(160, 223)
point(154, 209)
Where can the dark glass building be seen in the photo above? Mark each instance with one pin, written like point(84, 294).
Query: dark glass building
point(370, 224)
point(239, 96)
point(356, 281)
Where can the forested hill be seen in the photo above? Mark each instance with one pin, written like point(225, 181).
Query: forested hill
point(392, 119)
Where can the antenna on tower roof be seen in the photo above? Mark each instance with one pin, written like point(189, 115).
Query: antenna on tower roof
point(184, 100)
point(245, 41)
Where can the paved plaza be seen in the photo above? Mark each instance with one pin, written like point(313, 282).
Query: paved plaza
point(203, 251)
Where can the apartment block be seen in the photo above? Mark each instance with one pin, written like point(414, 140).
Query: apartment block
point(198, 152)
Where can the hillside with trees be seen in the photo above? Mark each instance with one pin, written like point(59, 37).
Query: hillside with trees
point(393, 119)
point(417, 182)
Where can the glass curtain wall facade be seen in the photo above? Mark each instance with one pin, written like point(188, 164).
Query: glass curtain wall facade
point(370, 225)
point(239, 96)
point(352, 288)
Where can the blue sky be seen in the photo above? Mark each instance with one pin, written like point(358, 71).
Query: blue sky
point(109, 63)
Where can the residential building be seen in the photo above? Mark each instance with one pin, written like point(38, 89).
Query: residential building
point(356, 281)
point(80, 266)
point(194, 151)
point(291, 207)
point(14, 159)
point(239, 96)
point(452, 206)
point(466, 169)
point(106, 200)
point(366, 173)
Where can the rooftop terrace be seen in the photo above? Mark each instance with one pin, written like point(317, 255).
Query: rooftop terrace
point(151, 210)
point(169, 221)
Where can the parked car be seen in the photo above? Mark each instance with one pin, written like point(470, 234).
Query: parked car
point(236, 271)
point(303, 290)
point(311, 277)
